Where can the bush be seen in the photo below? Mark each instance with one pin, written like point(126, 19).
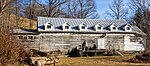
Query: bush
point(11, 50)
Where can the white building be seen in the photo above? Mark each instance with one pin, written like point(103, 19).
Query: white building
point(66, 33)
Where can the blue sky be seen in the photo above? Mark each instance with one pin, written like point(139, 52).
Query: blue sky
point(103, 6)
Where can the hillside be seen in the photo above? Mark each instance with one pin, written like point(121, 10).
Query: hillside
point(23, 22)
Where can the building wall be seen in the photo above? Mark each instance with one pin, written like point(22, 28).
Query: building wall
point(66, 41)
point(115, 42)
point(133, 43)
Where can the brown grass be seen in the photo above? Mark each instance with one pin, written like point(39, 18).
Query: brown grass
point(23, 22)
point(98, 61)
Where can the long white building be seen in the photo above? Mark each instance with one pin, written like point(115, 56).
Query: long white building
point(67, 33)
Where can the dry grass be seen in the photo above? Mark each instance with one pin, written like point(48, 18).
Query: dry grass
point(23, 22)
point(99, 61)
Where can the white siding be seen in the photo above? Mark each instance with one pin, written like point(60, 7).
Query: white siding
point(101, 43)
point(132, 46)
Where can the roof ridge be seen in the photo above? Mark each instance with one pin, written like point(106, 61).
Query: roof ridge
point(81, 19)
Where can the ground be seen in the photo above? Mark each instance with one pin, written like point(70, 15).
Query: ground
point(99, 61)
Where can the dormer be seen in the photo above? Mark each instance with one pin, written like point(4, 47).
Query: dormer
point(66, 26)
point(82, 27)
point(113, 27)
point(48, 26)
point(98, 27)
point(127, 27)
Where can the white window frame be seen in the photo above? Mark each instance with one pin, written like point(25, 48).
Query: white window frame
point(64, 26)
point(97, 27)
point(28, 37)
point(112, 27)
point(48, 24)
point(126, 27)
point(82, 25)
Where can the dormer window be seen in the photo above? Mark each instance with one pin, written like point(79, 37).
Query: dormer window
point(82, 27)
point(98, 27)
point(127, 27)
point(113, 27)
point(48, 26)
point(66, 26)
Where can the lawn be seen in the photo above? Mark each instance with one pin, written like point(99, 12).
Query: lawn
point(98, 61)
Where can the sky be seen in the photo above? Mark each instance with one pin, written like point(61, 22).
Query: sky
point(103, 6)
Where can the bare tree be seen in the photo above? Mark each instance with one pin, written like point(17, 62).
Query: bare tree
point(4, 4)
point(10, 48)
point(117, 10)
point(139, 4)
point(61, 8)
point(142, 17)
point(52, 8)
point(81, 9)
point(32, 10)
point(138, 7)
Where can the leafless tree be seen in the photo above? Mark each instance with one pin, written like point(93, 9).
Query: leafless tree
point(117, 10)
point(142, 17)
point(33, 10)
point(52, 8)
point(81, 9)
point(138, 7)
point(139, 4)
point(4, 4)
point(10, 48)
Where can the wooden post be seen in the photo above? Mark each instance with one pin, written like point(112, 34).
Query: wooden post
point(119, 53)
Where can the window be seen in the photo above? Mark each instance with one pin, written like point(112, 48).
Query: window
point(114, 28)
point(66, 27)
point(99, 28)
point(30, 37)
point(83, 27)
point(35, 37)
point(20, 37)
point(135, 39)
point(25, 37)
point(128, 28)
point(49, 26)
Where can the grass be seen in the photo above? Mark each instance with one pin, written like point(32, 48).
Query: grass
point(98, 61)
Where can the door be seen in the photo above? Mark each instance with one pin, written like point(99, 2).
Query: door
point(101, 43)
